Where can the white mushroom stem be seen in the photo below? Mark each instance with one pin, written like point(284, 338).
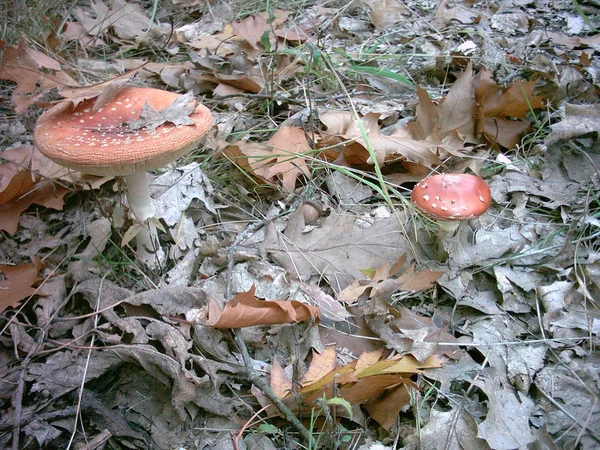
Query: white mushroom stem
point(448, 226)
point(142, 206)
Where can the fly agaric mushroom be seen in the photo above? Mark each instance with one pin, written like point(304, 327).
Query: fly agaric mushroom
point(103, 142)
point(450, 198)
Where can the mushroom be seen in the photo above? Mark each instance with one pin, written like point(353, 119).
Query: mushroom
point(103, 142)
point(450, 198)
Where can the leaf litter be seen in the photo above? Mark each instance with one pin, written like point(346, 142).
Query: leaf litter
point(291, 233)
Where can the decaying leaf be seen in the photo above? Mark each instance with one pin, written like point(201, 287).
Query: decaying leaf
point(386, 13)
point(382, 282)
point(22, 185)
point(506, 425)
point(455, 429)
point(34, 72)
point(369, 379)
point(330, 307)
point(410, 333)
point(18, 283)
point(128, 20)
point(338, 249)
point(178, 113)
point(280, 158)
point(244, 310)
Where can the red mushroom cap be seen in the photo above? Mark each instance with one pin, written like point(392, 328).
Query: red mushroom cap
point(452, 196)
point(102, 143)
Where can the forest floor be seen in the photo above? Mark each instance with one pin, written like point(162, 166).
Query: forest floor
point(301, 300)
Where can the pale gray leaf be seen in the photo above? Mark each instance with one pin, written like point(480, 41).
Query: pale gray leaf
point(178, 113)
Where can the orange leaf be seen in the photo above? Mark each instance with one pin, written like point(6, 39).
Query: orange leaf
point(505, 132)
point(290, 145)
point(251, 28)
point(514, 102)
point(24, 190)
point(18, 283)
point(367, 359)
point(408, 365)
point(368, 388)
point(321, 364)
point(334, 376)
point(280, 385)
point(244, 310)
point(385, 408)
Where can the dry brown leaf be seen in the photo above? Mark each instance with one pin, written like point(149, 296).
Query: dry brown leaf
point(419, 335)
point(495, 101)
point(280, 158)
point(290, 144)
point(457, 109)
point(128, 20)
point(330, 308)
point(321, 364)
point(386, 13)
point(385, 408)
point(223, 44)
point(104, 91)
point(367, 359)
point(426, 117)
point(337, 249)
point(337, 122)
point(239, 72)
point(505, 132)
point(446, 14)
point(280, 384)
point(372, 387)
point(358, 287)
point(34, 73)
point(244, 310)
point(21, 185)
point(18, 283)
point(252, 29)
point(387, 148)
point(368, 379)
point(381, 281)
point(499, 107)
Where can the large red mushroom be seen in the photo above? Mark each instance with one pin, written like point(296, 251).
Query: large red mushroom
point(104, 142)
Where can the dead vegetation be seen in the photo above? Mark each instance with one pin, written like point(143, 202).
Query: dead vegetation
point(304, 302)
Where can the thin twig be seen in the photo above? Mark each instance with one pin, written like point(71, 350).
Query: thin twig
point(561, 408)
point(87, 363)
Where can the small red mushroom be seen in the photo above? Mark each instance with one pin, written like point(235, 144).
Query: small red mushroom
point(450, 198)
